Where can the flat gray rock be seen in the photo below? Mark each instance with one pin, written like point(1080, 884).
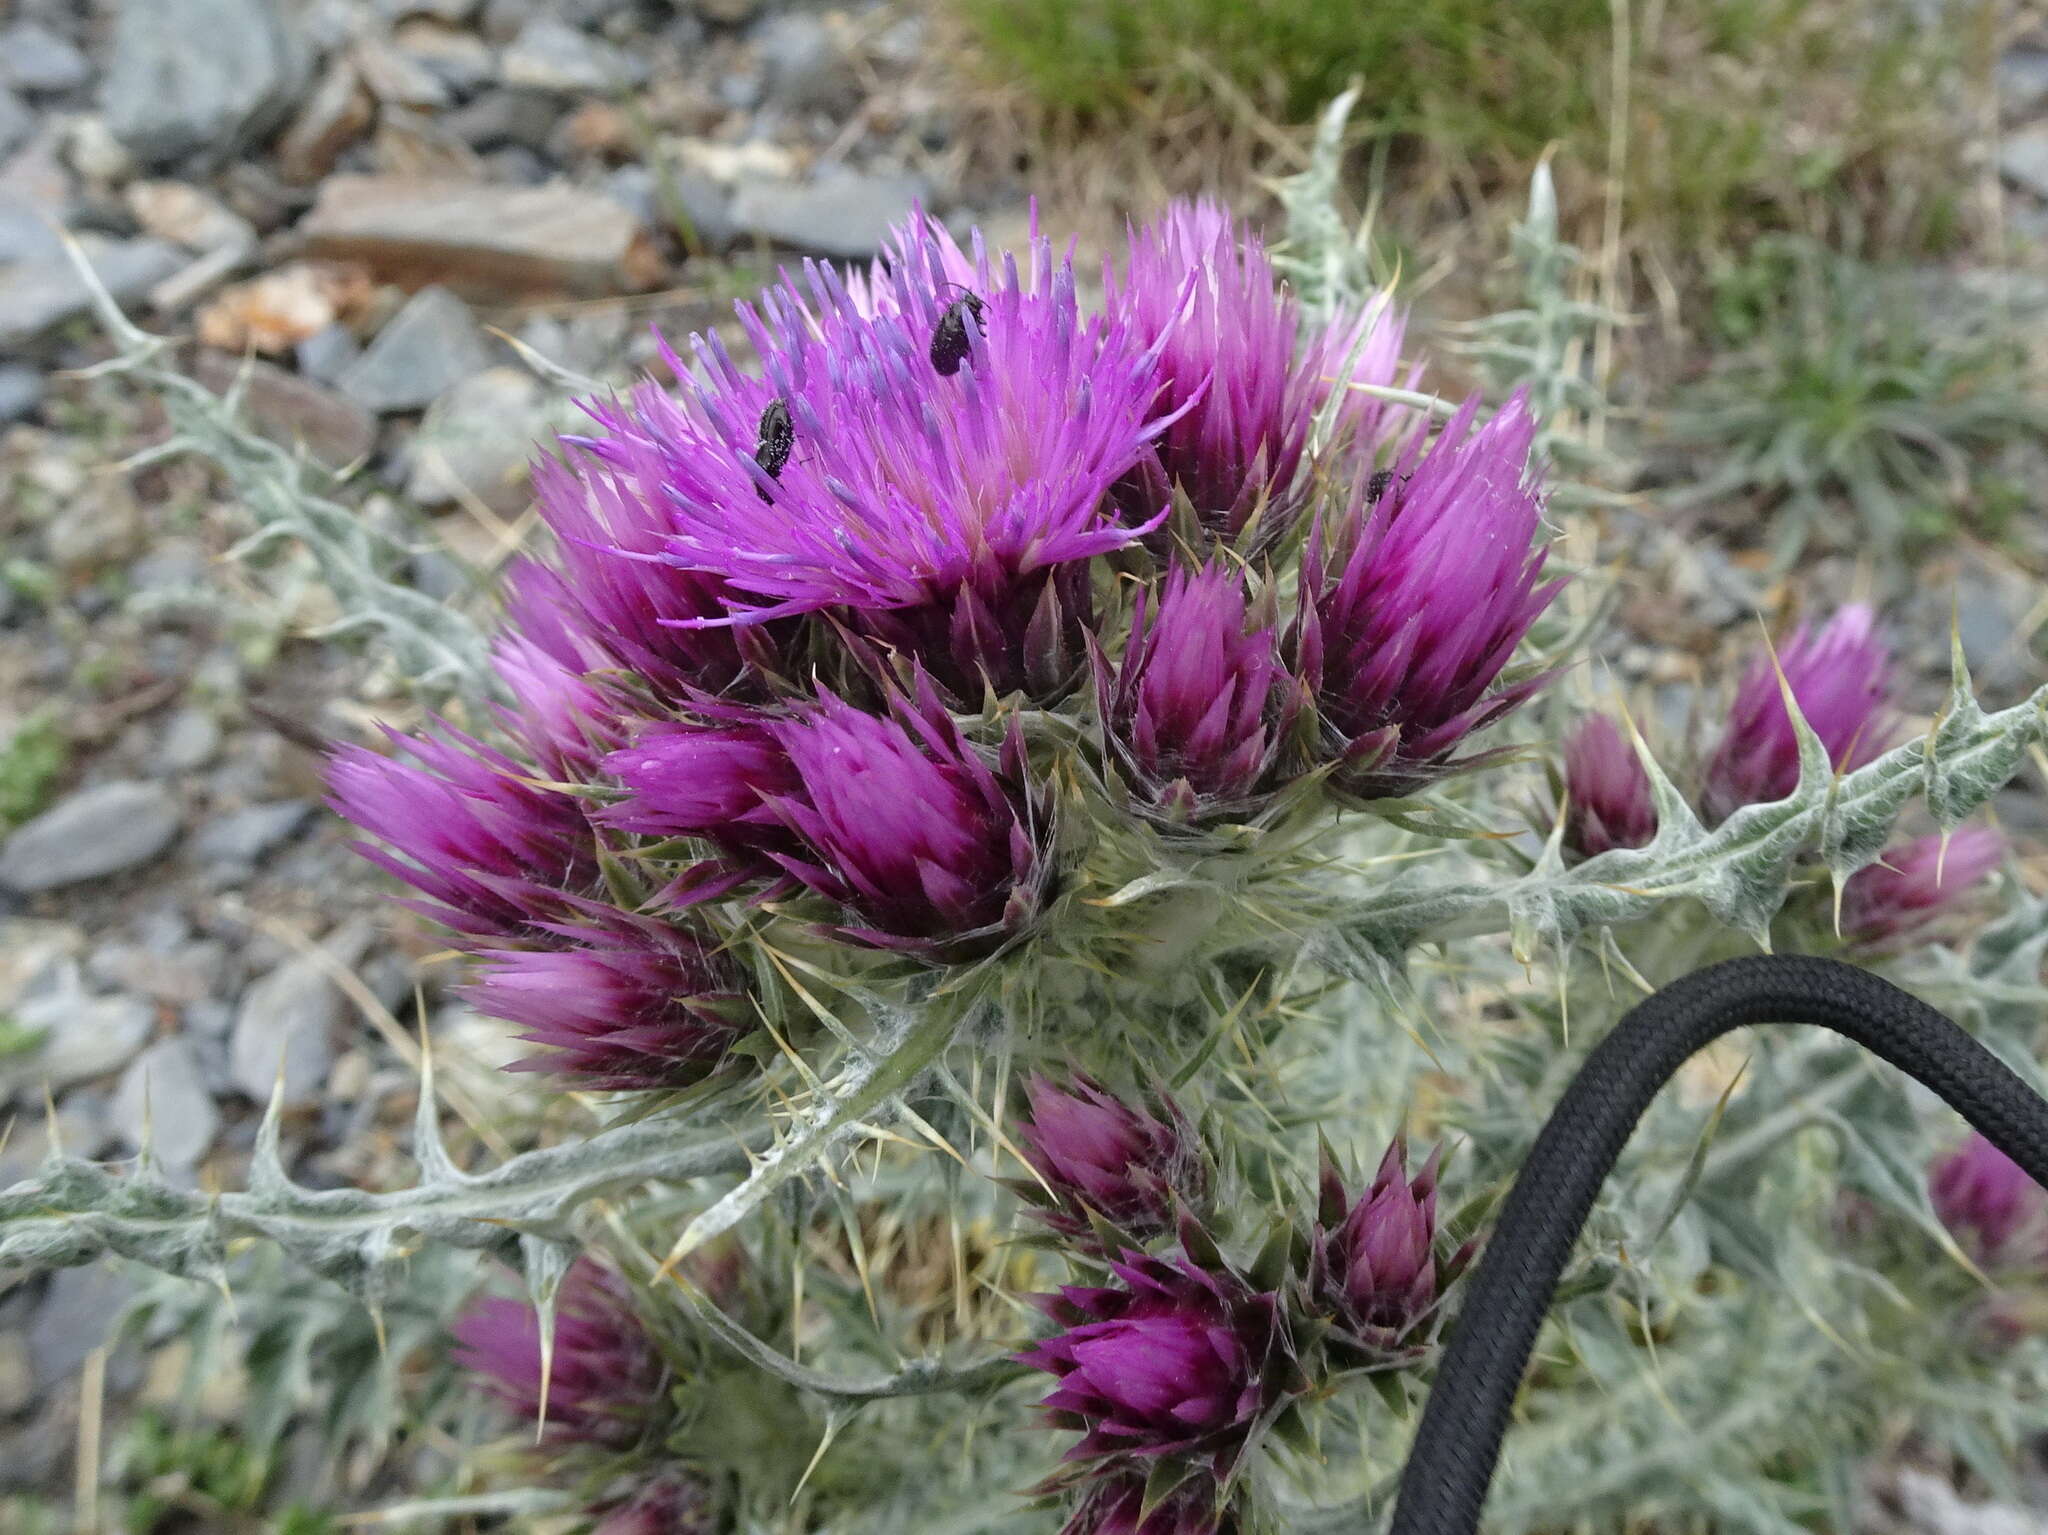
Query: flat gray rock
point(193, 76)
point(17, 122)
point(287, 1021)
point(480, 438)
point(502, 117)
point(245, 835)
point(2022, 83)
point(164, 1088)
point(40, 290)
point(485, 240)
point(36, 60)
point(79, 1309)
point(429, 346)
point(2023, 158)
point(191, 739)
point(550, 55)
point(21, 390)
point(453, 12)
point(91, 834)
point(33, 956)
point(77, 1314)
point(843, 213)
point(801, 63)
point(80, 1133)
point(82, 1037)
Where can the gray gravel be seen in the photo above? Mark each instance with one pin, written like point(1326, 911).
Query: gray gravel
point(199, 77)
point(284, 1028)
point(432, 345)
point(92, 834)
point(165, 1089)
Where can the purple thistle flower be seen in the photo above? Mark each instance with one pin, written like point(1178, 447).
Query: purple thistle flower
point(1413, 602)
point(931, 850)
point(1114, 1504)
point(1200, 706)
point(1908, 892)
point(1841, 677)
point(567, 721)
point(922, 262)
point(933, 512)
point(897, 819)
point(1607, 792)
point(493, 853)
point(1095, 1152)
point(1228, 368)
point(633, 1004)
point(611, 598)
point(1181, 1360)
point(606, 1371)
point(1373, 1261)
point(722, 783)
point(1989, 1203)
point(669, 1505)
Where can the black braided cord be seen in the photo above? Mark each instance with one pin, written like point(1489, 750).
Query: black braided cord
point(1444, 1484)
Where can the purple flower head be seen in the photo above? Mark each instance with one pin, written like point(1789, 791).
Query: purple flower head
point(1179, 1360)
point(1841, 677)
point(1373, 1261)
point(1229, 368)
point(1414, 598)
point(1096, 1152)
point(611, 599)
point(930, 849)
point(896, 818)
point(606, 1372)
point(1200, 706)
point(1904, 896)
point(934, 512)
point(722, 783)
point(565, 719)
point(1114, 1504)
point(468, 828)
point(629, 1004)
point(672, 1504)
point(1991, 1205)
point(1607, 793)
point(922, 261)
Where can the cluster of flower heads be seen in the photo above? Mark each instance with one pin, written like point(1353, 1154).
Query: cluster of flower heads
point(1174, 1367)
point(1841, 677)
point(785, 598)
point(598, 1392)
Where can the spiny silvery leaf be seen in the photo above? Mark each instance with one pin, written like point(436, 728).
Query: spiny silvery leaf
point(909, 1040)
point(301, 1344)
point(918, 1377)
point(432, 643)
point(1737, 869)
point(74, 1211)
point(1320, 256)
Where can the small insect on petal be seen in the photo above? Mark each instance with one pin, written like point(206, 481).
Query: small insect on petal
point(773, 440)
point(949, 337)
point(1375, 488)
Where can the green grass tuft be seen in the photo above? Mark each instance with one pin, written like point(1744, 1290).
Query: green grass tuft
point(1518, 68)
point(1743, 116)
point(31, 761)
point(1844, 389)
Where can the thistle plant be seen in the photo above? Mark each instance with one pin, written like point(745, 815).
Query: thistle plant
point(996, 806)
